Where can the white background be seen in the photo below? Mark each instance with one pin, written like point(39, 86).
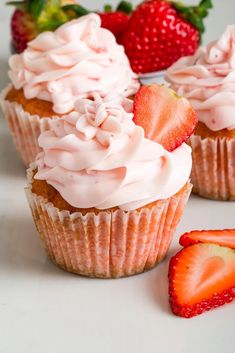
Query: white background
point(45, 310)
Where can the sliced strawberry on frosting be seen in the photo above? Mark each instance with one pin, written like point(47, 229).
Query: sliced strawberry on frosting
point(166, 118)
point(224, 237)
point(201, 277)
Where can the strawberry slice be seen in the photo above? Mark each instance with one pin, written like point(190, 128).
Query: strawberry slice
point(224, 237)
point(201, 277)
point(165, 117)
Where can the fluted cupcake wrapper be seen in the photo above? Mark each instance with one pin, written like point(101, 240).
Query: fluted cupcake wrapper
point(213, 172)
point(25, 128)
point(109, 244)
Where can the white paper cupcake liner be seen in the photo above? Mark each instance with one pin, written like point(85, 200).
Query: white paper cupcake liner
point(108, 244)
point(213, 172)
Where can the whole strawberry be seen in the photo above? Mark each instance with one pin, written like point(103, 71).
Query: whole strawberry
point(159, 32)
point(34, 16)
point(116, 21)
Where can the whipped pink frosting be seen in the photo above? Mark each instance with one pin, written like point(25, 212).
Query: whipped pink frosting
point(79, 58)
point(207, 79)
point(97, 157)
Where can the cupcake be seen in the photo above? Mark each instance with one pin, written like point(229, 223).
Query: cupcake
point(106, 200)
point(57, 69)
point(207, 79)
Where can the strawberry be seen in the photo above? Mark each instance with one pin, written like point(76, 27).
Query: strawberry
point(166, 118)
point(34, 16)
point(224, 237)
point(115, 22)
point(201, 277)
point(159, 32)
point(23, 30)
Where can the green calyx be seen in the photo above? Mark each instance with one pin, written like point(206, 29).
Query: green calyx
point(50, 15)
point(194, 14)
point(123, 6)
point(75, 10)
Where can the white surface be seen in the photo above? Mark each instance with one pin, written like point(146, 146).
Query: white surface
point(45, 310)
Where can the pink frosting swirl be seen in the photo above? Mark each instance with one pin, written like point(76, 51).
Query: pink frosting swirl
point(79, 58)
point(97, 157)
point(207, 79)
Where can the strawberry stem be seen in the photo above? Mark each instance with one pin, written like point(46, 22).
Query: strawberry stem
point(125, 6)
point(194, 14)
point(108, 8)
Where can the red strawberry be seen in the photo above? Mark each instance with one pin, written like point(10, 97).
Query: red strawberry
point(224, 237)
point(115, 22)
point(201, 277)
point(34, 16)
point(23, 30)
point(166, 118)
point(159, 32)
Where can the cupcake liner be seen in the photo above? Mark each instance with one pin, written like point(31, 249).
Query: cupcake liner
point(109, 244)
point(25, 128)
point(213, 172)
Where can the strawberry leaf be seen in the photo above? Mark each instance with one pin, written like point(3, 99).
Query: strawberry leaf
point(52, 25)
point(36, 7)
point(125, 6)
point(194, 14)
point(77, 9)
point(21, 5)
point(108, 8)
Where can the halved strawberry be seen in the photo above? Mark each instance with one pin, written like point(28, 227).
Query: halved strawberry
point(201, 277)
point(166, 118)
point(224, 237)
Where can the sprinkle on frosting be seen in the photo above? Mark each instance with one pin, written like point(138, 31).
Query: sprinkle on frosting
point(207, 79)
point(79, 58)
point(97, 157)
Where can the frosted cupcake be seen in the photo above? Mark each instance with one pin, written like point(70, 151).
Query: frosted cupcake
point(207, 79)
point(55, 70)
point(105, 199)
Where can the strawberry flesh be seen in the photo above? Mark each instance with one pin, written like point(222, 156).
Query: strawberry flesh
point(201, 277)
point(165, 117)
point(224, 237)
